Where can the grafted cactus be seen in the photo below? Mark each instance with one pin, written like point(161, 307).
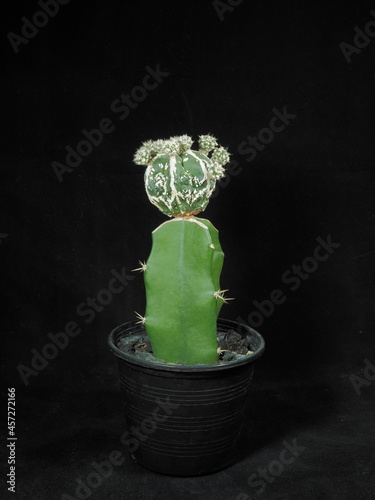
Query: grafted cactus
point(182, 273)
point(179, 180)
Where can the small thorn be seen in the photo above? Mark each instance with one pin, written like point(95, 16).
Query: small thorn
point(219, 294)
point(249, 352)
point(225, 299)
point(143, 267)
point(141, 321)
point(219, 351)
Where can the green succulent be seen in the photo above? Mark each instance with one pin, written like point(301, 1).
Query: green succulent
point(180, 180)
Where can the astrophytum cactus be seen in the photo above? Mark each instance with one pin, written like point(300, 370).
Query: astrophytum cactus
point(179, 180)
point(182, 273)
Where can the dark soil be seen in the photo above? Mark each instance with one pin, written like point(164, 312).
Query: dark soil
point(232, 345)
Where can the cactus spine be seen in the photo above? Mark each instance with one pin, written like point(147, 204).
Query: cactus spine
point(182, 273)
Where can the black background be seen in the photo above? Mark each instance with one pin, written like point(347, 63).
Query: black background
point(316, 178)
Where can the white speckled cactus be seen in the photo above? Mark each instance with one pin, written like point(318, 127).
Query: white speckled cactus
point(178, 179)
point(182, 273)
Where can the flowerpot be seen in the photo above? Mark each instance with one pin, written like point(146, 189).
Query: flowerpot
point(184, 420)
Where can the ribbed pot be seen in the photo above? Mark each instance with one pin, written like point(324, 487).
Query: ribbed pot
point(184, 420)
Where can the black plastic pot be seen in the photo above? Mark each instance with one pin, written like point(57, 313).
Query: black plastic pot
point(184, 420)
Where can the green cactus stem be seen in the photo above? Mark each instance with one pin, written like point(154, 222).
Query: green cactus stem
point(183, 293)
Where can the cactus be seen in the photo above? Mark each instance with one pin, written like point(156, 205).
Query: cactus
point(179, 180)
point(182, 273)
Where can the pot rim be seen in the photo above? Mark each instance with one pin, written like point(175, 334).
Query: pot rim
point(132, 327)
